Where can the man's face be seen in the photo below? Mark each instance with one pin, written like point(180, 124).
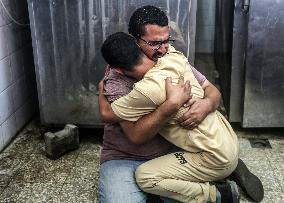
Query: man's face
point(154, 34)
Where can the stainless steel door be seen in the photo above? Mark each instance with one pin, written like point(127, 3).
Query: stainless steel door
point(264, 76)
point(67, 36)
point(249, 55)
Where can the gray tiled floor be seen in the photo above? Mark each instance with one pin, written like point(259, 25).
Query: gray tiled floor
point(26, 175)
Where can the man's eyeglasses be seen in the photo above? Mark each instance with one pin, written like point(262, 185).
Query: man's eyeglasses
point(157, 44)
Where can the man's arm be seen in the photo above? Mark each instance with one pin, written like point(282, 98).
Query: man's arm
point(149, 125)
point(106, 113)
point(200, 108)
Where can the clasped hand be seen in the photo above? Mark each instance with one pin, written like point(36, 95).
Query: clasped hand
point(178, 95)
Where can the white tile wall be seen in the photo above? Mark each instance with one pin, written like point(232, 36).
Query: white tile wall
point(1, 139)
point(9, 129)
point(18, 100)
point(5, 74)
point(25, 113)
point(17, 65)
point(6, 104)
point(3, 44)
point(20, 92)
point(13, 37)
point(3, 16)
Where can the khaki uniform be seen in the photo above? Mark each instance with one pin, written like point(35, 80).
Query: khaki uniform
point(210, 150)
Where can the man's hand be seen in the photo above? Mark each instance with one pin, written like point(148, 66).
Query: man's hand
point(200, 108)
point(196, 114)
point(149, 125)
point(179, 94)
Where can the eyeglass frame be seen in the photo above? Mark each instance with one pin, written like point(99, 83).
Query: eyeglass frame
point(158, 43)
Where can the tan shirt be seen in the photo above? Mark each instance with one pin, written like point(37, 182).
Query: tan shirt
point(214, 137)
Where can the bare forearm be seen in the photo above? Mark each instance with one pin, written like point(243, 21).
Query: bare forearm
point(212, 96)
point(106, 113)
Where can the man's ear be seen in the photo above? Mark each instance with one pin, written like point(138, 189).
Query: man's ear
point(120, 71)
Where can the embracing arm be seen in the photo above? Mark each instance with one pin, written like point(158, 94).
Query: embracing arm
point(212, 95)
point(106, 112)
point(149, 125)
point(144, 128)
point(200, 108)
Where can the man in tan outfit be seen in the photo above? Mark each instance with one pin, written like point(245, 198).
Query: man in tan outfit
point(211, 149)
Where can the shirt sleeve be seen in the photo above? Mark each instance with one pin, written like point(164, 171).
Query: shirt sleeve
point(199, 77)
point(116, 86)
point(133, 106)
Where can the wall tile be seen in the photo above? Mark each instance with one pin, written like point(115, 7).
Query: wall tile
point(14, 8)
point(20, 92)
point(9, 129)
point(17, 65)
point(1, 139)
point(18, 9)
point(6, 104)
point(4, 19)
point(3, 43)
point(24, 113)
point(18, 100)
point(5, 74)
point(13, 37)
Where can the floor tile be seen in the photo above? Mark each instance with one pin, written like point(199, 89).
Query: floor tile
point(79, 190)
point(29, 192)
point(40, 169)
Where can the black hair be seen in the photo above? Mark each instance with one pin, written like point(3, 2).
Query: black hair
point(143, 16)
point(121, 51)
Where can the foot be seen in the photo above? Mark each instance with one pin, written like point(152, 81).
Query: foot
point(227, 192)
point(248, 182)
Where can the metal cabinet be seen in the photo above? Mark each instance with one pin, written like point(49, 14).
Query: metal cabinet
point(249, 53)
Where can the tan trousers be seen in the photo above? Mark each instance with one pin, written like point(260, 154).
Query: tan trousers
point(181, 176)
